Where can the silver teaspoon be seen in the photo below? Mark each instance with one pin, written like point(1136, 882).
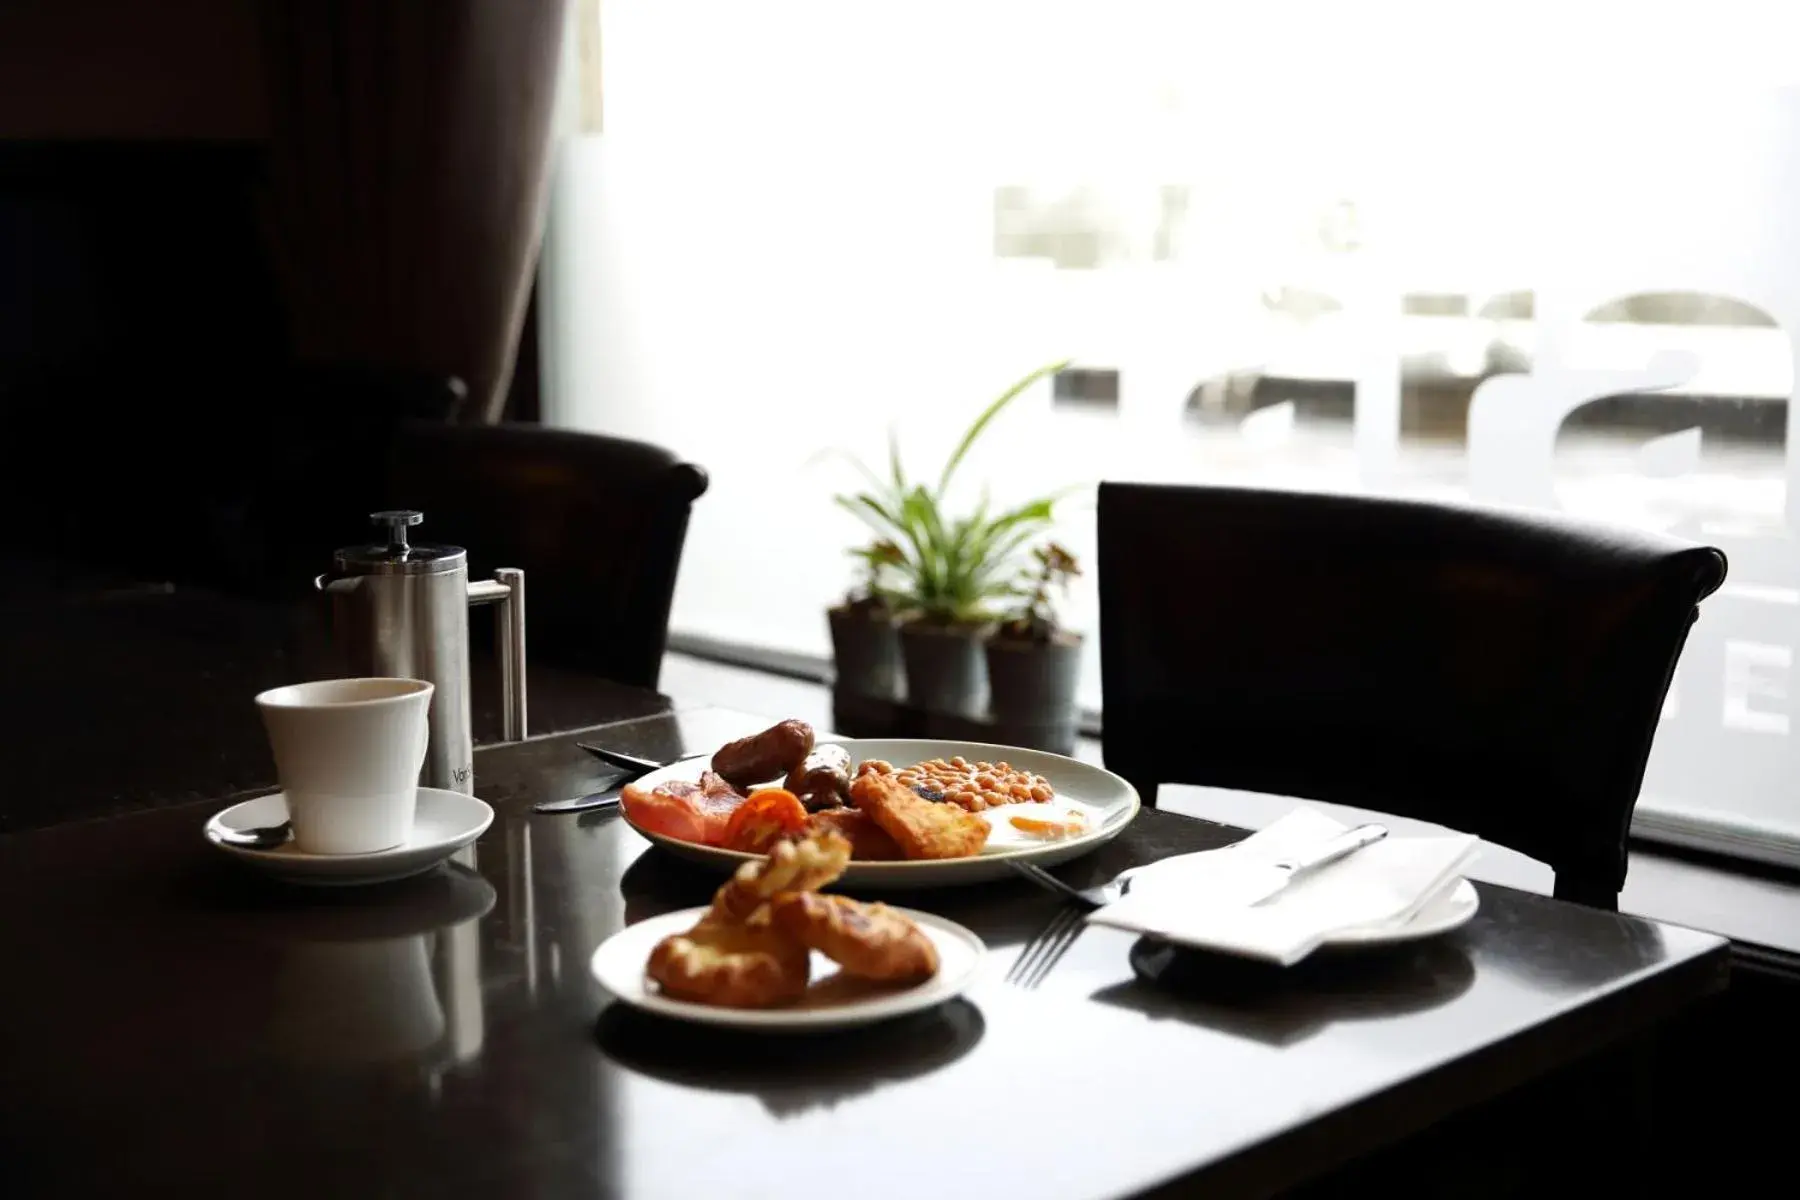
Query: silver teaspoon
point(265, 837)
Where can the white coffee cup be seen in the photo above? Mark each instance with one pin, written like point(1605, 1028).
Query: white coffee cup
point(348, 754)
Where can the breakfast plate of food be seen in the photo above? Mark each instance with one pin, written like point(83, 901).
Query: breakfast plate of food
point(916, 813)
point(772, 952)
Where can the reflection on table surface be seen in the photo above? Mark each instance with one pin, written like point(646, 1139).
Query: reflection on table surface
point(443, 1034)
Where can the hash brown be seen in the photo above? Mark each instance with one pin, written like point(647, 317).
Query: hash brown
point(922, 828)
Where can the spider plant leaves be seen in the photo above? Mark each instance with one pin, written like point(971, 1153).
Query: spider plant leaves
point(949, 569)
point(894, 469)
point(862, 468)
point(986, 417)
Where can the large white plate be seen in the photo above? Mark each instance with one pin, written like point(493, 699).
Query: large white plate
point(618, 966)
point(443, 823)
point(1116, 801)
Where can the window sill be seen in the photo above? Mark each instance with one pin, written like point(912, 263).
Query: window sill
point(1757, 907)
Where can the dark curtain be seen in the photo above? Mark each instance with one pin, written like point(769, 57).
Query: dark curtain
point(409, 146)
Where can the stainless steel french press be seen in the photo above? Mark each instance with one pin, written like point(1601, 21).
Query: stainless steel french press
point(403, 610)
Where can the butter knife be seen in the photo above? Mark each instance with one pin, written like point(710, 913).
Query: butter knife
point(631, 767)
point(627, 762)
point(1266, 880)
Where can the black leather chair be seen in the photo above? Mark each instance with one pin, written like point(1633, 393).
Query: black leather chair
point(1498, 672)
point(597, 523)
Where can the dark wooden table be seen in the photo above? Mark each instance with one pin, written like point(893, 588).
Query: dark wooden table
point(173, 1023)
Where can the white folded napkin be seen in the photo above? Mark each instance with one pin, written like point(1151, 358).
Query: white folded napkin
point(1198, 899)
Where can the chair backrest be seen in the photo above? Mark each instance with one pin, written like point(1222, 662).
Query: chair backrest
point(597, 524)
point(1498, 672)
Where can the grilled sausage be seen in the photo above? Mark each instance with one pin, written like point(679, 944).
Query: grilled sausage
point(766, 755)
point(823, 779)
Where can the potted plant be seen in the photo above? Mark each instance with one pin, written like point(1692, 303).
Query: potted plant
point(1033, 663)
point(950, 570)
point(865, 642)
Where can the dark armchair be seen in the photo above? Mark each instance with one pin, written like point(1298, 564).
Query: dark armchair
point(597, 523)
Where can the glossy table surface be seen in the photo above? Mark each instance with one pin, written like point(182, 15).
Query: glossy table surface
point(172, 1021)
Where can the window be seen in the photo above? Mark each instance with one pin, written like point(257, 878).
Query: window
point(810, 224)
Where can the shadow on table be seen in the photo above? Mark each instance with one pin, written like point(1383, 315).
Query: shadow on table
point(658, 882)
point(1281, 1006)
point(833, 1066)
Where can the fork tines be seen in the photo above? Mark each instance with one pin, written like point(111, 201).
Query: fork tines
point(1047, 946)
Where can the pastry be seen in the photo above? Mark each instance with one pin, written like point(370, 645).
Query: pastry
point(732, 965)
point(869, 940)
point(792, 866)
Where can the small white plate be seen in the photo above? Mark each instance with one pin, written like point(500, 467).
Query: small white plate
point(444, 823)
point(1449, 909)
point(618, 965)
point(1113, 800)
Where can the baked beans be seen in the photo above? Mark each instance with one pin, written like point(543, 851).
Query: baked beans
point(973, 785)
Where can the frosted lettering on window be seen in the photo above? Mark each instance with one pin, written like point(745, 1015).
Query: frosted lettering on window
point(1756, 683)
point(1725, 724)
point(1514, 420)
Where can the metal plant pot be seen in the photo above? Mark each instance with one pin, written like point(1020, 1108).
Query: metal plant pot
point(944, 668)
point(1033, 683)
point(865, 651)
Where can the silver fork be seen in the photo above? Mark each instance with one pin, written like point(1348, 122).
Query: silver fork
point(1047, 946)
point(1098, 896)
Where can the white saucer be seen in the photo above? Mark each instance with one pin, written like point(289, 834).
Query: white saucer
point(444, 823)
point(1454, 906)
point(618, 966)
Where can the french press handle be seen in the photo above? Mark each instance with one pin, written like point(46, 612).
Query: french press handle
point(506, 591)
